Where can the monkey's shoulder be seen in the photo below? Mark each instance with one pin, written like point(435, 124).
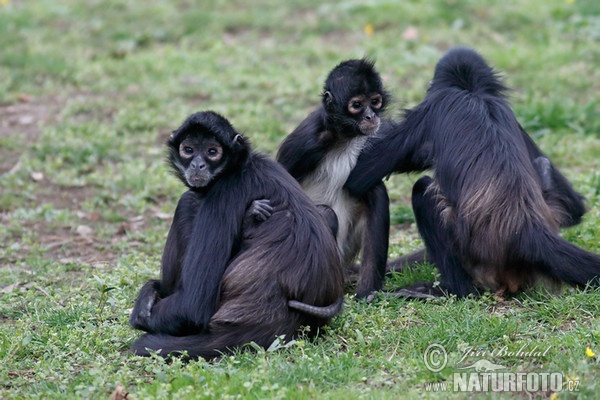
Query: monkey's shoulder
point(269, 178)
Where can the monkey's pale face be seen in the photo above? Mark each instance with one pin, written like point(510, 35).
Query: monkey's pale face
point(201, 159)
point(365, 108)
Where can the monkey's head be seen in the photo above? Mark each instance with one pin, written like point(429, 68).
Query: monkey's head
point(354, 98)
point(465, 63)
point(204, 148)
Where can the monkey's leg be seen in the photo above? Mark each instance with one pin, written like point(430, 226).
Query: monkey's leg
point(399, 264)
point(375, 241)
point(439, 243)
point(567, 205)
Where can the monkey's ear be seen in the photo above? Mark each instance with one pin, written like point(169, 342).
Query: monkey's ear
point(239, 142)
point(172, 138)
point(328, 100)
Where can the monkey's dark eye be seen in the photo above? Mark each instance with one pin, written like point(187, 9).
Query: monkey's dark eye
point(376, 101)
point(212, 152)
point(188, 150)
point(357, 105)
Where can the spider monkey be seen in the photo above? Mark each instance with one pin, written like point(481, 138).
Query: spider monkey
point(490, 215)
point(322, 151)
point(236, 268)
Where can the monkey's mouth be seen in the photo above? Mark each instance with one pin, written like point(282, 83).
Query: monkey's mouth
point(369, 128)
point(197, 180)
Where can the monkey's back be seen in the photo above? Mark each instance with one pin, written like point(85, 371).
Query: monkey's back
point(490, 188)
point(291, 255)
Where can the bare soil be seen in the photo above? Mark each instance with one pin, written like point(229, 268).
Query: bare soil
point(20, 127)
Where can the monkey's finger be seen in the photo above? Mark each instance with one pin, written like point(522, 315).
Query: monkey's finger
point(262, 209)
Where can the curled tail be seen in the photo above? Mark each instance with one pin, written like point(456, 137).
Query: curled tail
point(325, 312)
point(465, 69)
point(558, 258)
point(212, 344)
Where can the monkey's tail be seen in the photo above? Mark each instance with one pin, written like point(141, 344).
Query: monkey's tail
point(463, 68)
point(212, 344)
point(558, 258)
point(325, 312)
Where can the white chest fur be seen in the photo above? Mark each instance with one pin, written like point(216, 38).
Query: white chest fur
point(325, 186)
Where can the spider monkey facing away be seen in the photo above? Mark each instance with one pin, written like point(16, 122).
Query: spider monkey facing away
point(490, 215)
point(322, 151)
point(236, 268)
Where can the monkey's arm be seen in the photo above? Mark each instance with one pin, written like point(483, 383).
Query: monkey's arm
point(558, 191)
point(399, 148)
point(305, 147)
point(181, 229)
point(172, 260)
point(189, 308)
point(177, 241)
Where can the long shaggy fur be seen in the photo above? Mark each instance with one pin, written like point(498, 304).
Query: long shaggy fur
point(226, 282)
point(486, 218)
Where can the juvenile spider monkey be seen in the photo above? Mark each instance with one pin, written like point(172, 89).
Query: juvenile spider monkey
point(322, 151)
point(490, 215)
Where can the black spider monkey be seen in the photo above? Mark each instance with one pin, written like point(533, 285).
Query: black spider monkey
point(236, 268)
point(322, 151)
point(490, 215)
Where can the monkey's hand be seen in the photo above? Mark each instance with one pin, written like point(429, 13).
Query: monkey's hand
point(260, 210)
point(140, 316)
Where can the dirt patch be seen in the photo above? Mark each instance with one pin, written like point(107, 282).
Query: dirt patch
point(89, 239)
point(63, 197)
point(75, 245)
point(20, 125)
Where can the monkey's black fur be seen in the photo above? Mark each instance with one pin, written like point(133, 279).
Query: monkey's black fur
point(490, 215)
point(229, 279)
point(321, 152)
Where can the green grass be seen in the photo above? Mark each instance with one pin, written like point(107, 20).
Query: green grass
point(89, 92)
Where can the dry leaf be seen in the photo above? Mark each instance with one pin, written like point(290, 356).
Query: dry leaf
point(84, 230)
point(37, 176)
point(120, 394)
